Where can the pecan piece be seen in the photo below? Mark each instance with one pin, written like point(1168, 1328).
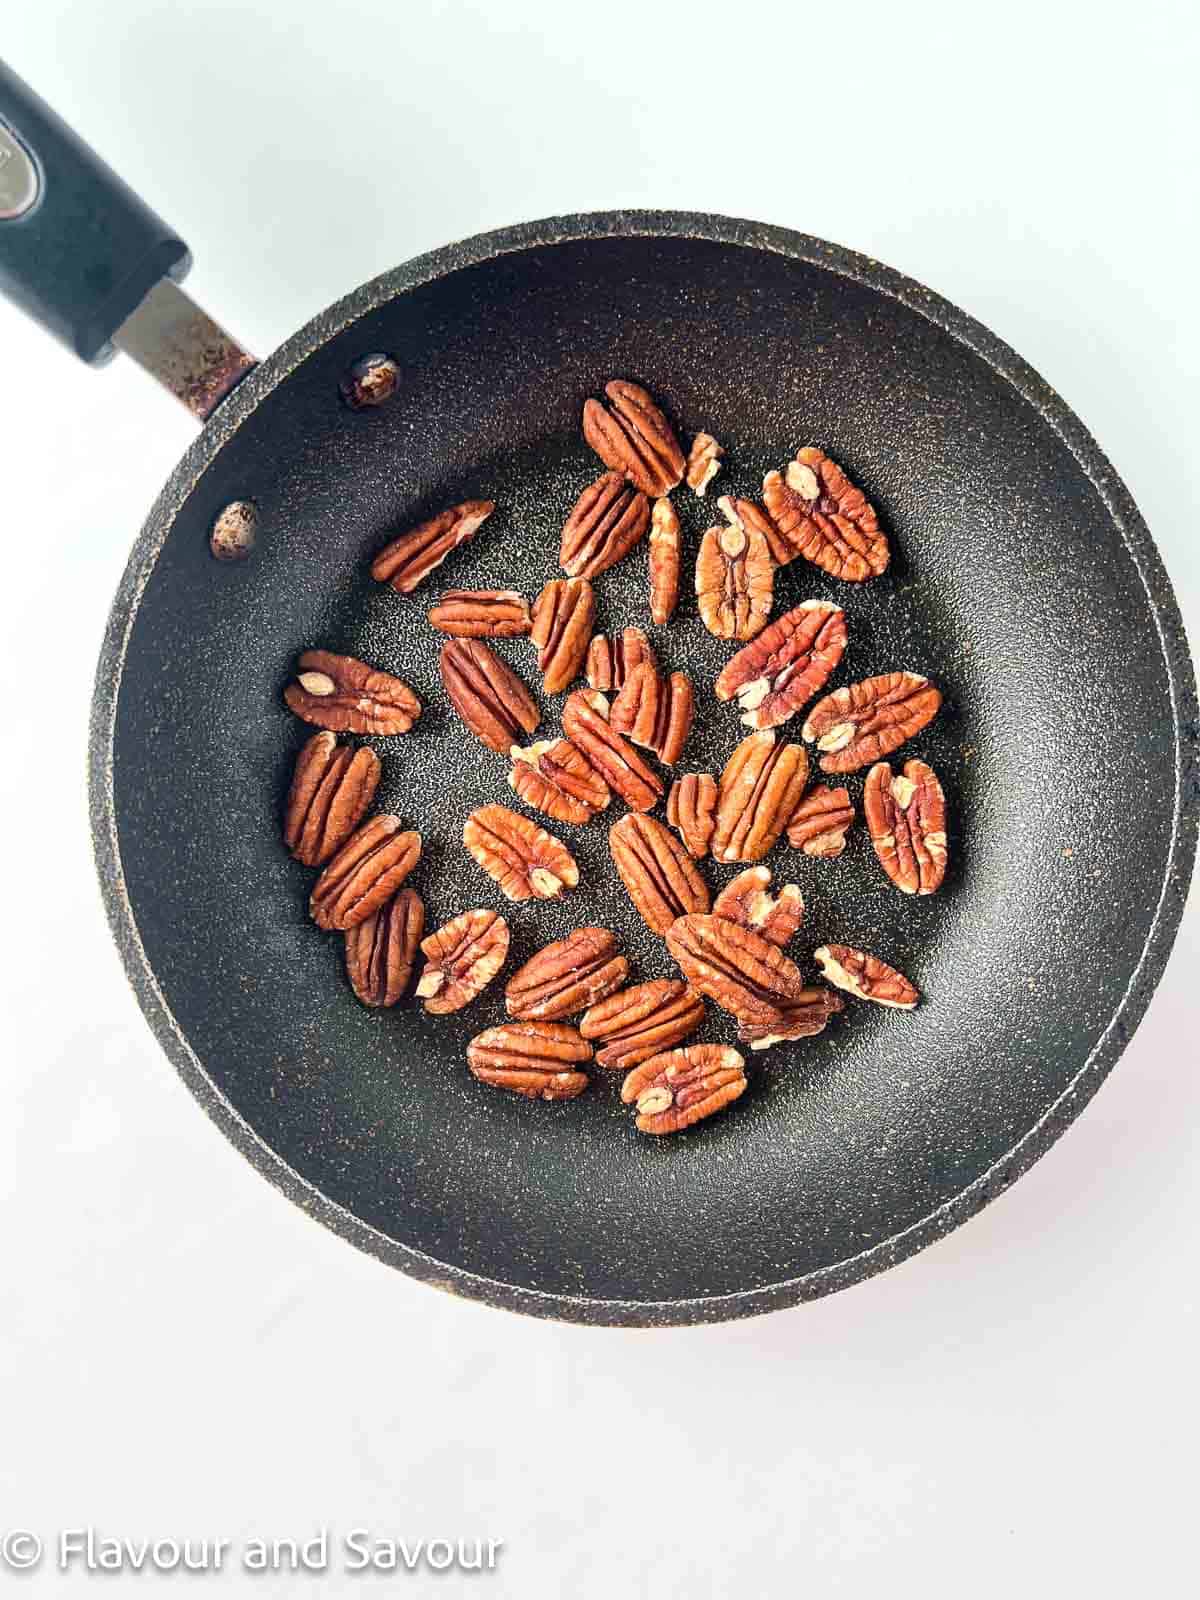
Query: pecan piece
point(679, 1087)
point(381, 952)
point(759, 790)
point(332, 786)
point(655, 712)
point(364, 873)
point(866, 976)
point(585, 722)
point(610, 661)
point(663, 881)
point(747, 901)
point(487, 694)
point(906, 818)
point(642, 1021)
point(605, 523)
point(744, 973)
point(567, 976)
point(703, 463)
point(563, 615)
point(786, 665)
point(735, 577)
point(866, 721)
point(634, 438)
point(409, 559)
point(347, 696)
point(819, 822)
point(821, 516)
point(535, 1059)
point(482, 614)
point(666, 546)
point(461, 959)
point(527, 862)
point(801, 1018)
point(554, 777)
point(692, 811)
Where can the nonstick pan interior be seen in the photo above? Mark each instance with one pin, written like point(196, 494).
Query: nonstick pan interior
point(1022, 584)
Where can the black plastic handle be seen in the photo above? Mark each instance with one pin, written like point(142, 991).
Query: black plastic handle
point(78, 250)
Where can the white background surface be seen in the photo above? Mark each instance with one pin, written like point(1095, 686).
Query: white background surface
point(182, 1351)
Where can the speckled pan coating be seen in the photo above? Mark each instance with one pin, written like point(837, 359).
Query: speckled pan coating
point(1024, 583)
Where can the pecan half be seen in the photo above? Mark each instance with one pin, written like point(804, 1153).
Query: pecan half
point(634, 438)
point(666, 547)
point(743, 972)
point(759, 790)
point(786, 665)
point(409, 559)
point(610, 661)
point(534, 1059)
point(655, 712)
point(679, 1087)
point(797, 1019)
point(554, 777)
point(819, 822)
point(735, 577)
point(567, 976)
point(663, 881)
point(332, 786)
point(747, 901)
point(642, 1021)
point(461, 959)
point(866, 976)
point(563, 615)
point(585, 722)
point(527, 862)
point(906, 818)
point(482, 614)
point(866, 721)
point(364, 873)
point(703, 462)
point(487, 694)
point(381, 952)
point(821, 516)
point(347, 696)
point(692, 811)
point(605, 523)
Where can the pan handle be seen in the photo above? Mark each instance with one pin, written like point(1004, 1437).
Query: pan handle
point(83, 256)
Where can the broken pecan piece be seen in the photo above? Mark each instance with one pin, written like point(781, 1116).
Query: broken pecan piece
point(758, 793)
point(642, 1021)
point(482, 614)
point(743, 972)
point(554, 777)
point(364, 873)
point(679, 1087)
point(819, 822)
point(563, 615)
point(666, 545)
point(487, 694)
point(747, 901)
point(527, 862)
point(692, 810)
point(634, 438)
point(461, 959)
point(585, 722)
point(535, 1059)
point(381, 951)
point(866, 721)
point(567, 976)
point(866, 976)
point(735, 577)
point(605, 523)
point(703, 463)
point(655, 712)
point(610, 661)
point(906, 818)
point(410, 558)
point(796, 1019)
point(332, 786)
point(786, 665)
point(821, 516)
point(663, 881)
point(345, 695)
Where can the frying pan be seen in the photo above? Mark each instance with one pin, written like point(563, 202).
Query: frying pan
point(1024, 583)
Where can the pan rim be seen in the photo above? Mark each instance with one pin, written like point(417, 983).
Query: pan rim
point(1128, 1008)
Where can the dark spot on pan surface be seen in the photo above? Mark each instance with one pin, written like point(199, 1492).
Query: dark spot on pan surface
point(1014, 590)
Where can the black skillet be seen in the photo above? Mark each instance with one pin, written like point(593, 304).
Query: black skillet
point(1025, 583)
